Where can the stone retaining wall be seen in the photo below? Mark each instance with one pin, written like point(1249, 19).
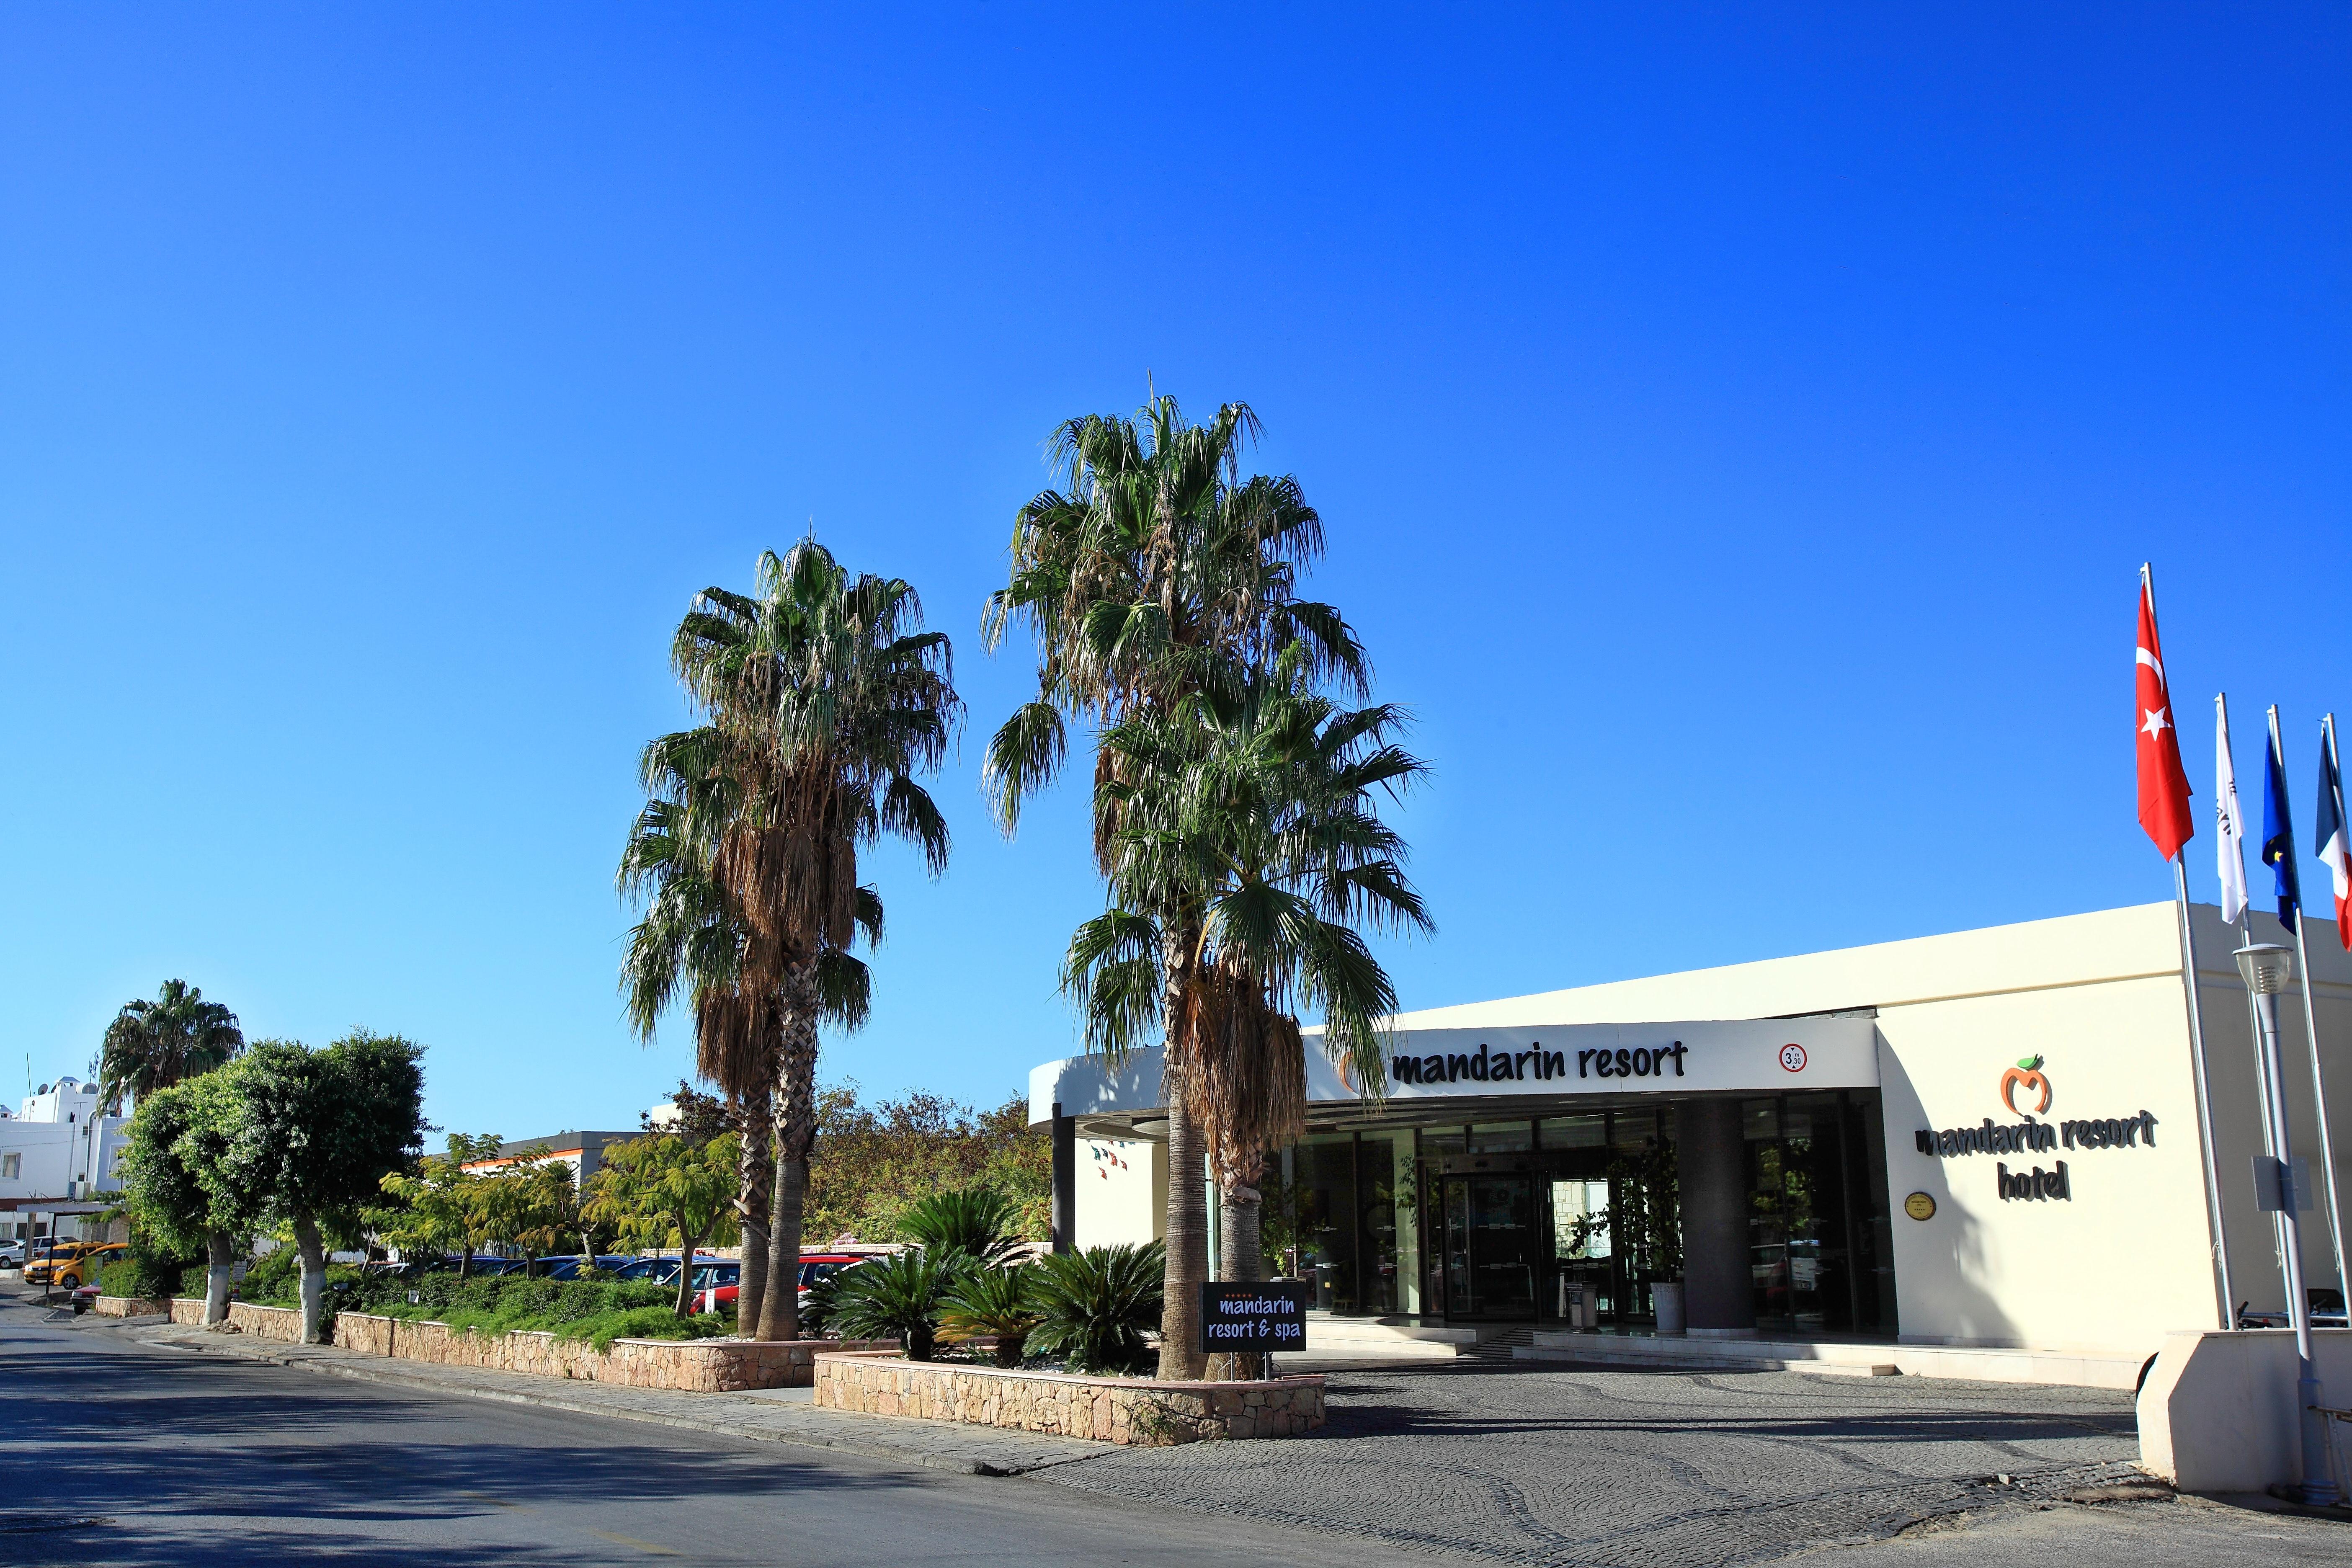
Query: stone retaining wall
point(281, 1323)
point(1129, 1410)
point(132, 1307)
point(699, 1367)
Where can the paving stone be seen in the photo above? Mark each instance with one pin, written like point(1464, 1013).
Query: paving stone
point(1641, 1468)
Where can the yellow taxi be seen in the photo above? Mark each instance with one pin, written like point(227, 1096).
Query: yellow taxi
point(72, 1264)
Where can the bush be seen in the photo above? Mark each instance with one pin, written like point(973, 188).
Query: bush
point(993, 1301)
point(1094, 1306)
point(598, 1311)
point(980, 1221)
point(901, 1296)
point(159, 1270)
point(121, 1278)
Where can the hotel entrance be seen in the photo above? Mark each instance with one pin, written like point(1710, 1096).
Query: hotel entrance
point(1492, 1258)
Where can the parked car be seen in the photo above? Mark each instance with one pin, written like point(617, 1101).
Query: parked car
point(82, 1269)
point(654, 1270)
point(12, 1255)
point(569, 1266)
point(716, 1284)
point(44, 1267)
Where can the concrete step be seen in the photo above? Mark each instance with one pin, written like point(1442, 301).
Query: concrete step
point(2081, 1369)
point(1368, 1338)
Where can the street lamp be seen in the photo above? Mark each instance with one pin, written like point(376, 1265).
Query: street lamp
point(2267, 968)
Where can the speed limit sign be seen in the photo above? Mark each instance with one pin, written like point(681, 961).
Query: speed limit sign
point(1792, 1056)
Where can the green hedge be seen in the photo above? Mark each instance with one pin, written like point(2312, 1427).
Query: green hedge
point(599, 1311)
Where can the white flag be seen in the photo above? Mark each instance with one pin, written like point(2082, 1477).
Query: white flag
point(2229, 844)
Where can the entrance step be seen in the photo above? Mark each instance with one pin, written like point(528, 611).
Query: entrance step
point(2081, 1369)
point(1500, 1344)
point(1367, 1339)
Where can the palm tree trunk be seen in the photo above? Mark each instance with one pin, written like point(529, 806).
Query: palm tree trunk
point(795, 1128)
point(220, 1265)
point(313, 1254)
point(687, 1240)
point(1187, 1210)
point(1240, 1208)
point(755, 1174)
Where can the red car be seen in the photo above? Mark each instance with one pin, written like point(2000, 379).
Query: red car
point(717, 1284)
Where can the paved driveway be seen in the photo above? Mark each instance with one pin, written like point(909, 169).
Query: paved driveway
point(1559, 1465)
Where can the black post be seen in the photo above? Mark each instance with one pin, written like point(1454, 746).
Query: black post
point(1065, 1181)
point(1711, 1157)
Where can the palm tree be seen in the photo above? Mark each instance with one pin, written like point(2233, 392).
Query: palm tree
point(155, 1045)
point(824, 704)
point(1259, 810)
point(691, 943)
point(1155, 572)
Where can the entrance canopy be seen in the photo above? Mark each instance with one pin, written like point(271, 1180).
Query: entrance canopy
point(1425, 1067)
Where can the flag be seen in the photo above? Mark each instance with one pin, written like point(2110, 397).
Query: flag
point(2278, 831)
point(2231, 822)
point(2163, 784)
point(2328, 830)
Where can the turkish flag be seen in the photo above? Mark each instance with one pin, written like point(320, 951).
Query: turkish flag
point(2163, 786)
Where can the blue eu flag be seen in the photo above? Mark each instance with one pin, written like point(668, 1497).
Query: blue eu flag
point(2278, 836)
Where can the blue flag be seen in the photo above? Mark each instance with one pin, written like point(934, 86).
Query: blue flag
point(2278, 836)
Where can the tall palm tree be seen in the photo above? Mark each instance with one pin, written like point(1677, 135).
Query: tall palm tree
point(1260, 811)
point(155, 1045)
point(826, 705)
point(1156, 572)
point(690, 941)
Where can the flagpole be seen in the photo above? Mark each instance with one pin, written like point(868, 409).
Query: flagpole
point(2220, 1241)
point(2311, 1034)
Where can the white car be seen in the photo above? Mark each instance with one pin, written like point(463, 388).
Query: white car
point(12, 1254)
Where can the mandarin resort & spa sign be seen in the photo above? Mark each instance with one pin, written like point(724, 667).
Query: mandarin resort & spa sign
point(1245, 1316)
point(2030, 1135)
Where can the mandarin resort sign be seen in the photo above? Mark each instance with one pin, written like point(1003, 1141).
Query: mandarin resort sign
point(1485, 1066)
point(2030, 1135)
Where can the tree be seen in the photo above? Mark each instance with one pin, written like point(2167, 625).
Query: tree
point(150, 1046)
point(531, 1205)
point(314, 1134)
point(873, 1163)
point(171, 1156)
point(668, 1189)
point(1259, 809)
point(825, 707)
point(1156, 573)
point(437, 1205)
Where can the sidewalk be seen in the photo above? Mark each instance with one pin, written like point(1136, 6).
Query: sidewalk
point(776, 1416)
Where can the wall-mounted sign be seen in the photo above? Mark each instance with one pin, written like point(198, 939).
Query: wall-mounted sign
point(2026, 1075)
point(1920, 1206)
point(1792, 1057)
point(1254, 1317)
point(2029, 1135)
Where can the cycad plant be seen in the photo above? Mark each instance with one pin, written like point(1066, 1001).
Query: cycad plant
point(994, 1302)
point(1093, 1307)
point(1155, 572)
point(902, 1296)
point(978, 1222)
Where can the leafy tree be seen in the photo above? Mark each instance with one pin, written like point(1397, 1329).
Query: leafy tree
point(315, 1134)
point(1093, 1306)
point(174, 1152)
point(825, 707)
point(437, 1205)
point(531, 1205)
point(151, 1045)
point(668, 1189)
point(873, 1161)
point(1155, 574)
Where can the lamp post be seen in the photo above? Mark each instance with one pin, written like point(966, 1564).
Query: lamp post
point(2267, 969)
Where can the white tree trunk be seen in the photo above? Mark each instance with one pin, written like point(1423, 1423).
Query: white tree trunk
point(220, 1272)
point(314, 1276)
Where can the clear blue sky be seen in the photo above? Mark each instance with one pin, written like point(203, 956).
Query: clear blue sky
point(1737, 432)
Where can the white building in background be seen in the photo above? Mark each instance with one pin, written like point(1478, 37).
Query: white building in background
point(1983, 1140)
point(57, 1156)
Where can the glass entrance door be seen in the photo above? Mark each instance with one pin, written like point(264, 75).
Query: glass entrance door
point(1491, 1251)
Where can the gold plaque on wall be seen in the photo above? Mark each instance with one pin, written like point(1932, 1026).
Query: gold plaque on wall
point(1919, 1205)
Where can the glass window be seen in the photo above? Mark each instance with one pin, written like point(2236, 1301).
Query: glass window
point(1631, 1128)
point(1323, 1188)
point(1759, 1119)
point(1580, 1220)
point(1436, 1142)
point(1390, 1244)
point(1502, 1138)
point(1590, 1131)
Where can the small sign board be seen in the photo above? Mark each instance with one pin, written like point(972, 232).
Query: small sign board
point(1243, 1317)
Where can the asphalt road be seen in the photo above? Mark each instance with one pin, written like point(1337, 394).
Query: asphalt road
point(191, 1459)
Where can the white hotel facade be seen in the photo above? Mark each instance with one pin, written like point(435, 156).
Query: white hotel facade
point(1865, 1148)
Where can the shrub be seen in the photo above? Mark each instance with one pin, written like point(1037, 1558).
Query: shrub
point(978, 1221)
point(121, 1278)
point(1093, 1307)
point(597, 1310)
point(993, 1301)
point(901, 1295)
